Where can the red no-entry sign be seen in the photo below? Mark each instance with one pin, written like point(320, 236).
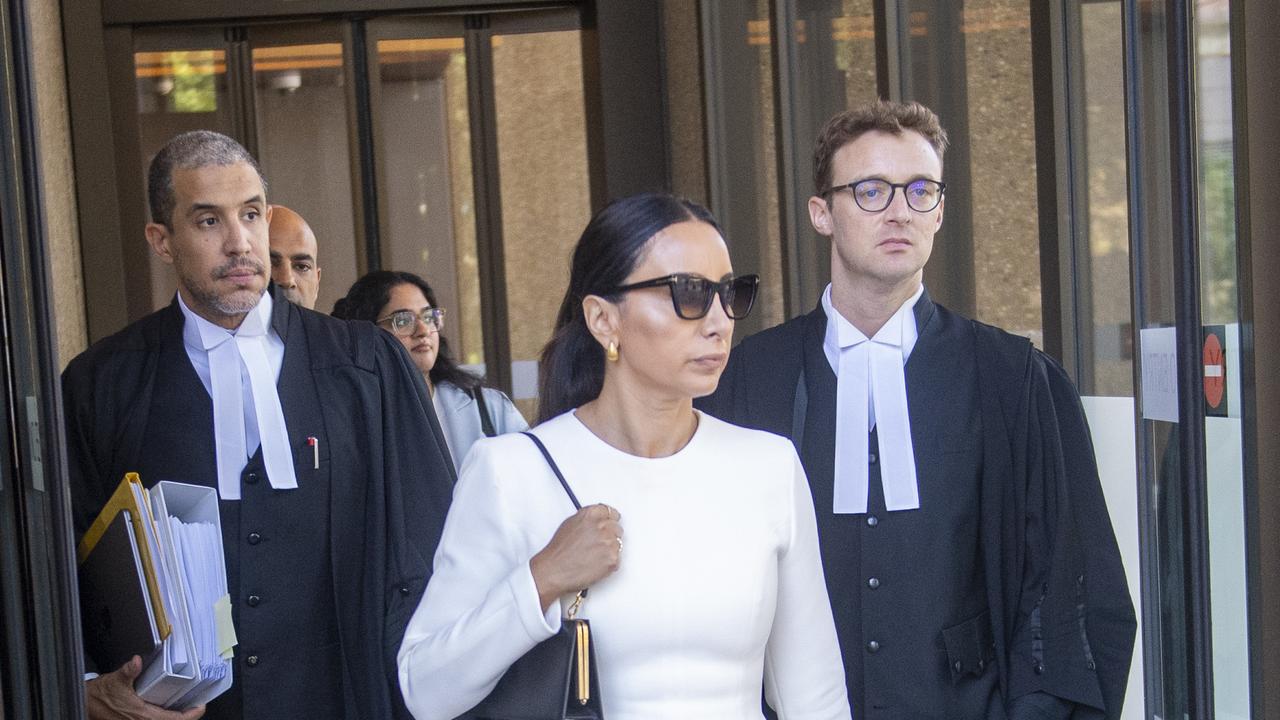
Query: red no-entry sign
point(1214, 357)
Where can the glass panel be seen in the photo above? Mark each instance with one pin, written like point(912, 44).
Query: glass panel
point(301, 107)
point(181, 85)
point(681, 49)
point(971, 63)
point(426, 178)
point(1101, 288)
point(1161, 496)
point(1220, 308)
point(742, 163)
point(1103, 272)
point(834, 69)
point(544, 181)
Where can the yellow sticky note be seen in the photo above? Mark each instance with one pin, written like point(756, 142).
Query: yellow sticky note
point(226, 629)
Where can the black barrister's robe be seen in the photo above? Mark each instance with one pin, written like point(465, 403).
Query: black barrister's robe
point(323, 579)
point(1007, 580)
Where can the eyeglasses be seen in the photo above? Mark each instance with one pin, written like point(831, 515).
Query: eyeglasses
point(404, 322)
point(874, 195)
point(692, 294)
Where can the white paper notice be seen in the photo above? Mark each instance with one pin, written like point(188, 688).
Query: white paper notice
point(1159, 347)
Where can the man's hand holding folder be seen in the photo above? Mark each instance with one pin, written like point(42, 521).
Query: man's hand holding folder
point(111, 696)
point(154, 602)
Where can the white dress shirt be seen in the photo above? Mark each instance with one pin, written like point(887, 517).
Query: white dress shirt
point(197, 334)
point(871, 388)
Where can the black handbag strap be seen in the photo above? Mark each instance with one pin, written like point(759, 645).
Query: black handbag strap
point(486, 422)
point(554, 468)
point(574, 498)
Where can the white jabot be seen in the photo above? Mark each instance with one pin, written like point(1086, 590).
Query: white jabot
point(239, 370)
point(871, 391)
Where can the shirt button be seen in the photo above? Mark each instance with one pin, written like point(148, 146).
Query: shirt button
point(957, 666)
point(251, 478)
point(254, 538)
point(872, 458)
point(251, 661)
point(404, 590)
point(872, 521)
point(1039, 668)
point(873, 583)
point(873, 647)
point(253, 600)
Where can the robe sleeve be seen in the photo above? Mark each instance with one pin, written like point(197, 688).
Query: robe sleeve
point(410, 486)
point(1071, 624)
point(82, 466)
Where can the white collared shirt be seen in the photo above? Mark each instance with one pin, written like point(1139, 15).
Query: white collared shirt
point(841, 332)
point(900, 477)
point(195, 328)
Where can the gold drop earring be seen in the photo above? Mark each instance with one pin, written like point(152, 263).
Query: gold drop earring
point(611, 352)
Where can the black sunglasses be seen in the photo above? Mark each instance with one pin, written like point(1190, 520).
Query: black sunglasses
point(692, 294)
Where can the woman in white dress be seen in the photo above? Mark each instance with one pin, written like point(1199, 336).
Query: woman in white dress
point(715, 590)
point(404, 305)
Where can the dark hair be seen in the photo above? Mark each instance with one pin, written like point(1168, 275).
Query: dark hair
point(572, 368)
point(880, 116)
point(371, 293)
point(190, 150)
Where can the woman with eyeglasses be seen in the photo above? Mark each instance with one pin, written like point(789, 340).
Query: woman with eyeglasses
point(404, 305)
point(715, 590)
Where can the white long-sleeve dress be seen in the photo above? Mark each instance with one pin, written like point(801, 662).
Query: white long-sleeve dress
point(720, 588)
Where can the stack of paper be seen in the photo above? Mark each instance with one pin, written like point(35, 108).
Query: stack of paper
point(181, 565)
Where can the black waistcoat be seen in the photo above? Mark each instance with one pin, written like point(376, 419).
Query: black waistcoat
point(287, 663)
point(907, 587)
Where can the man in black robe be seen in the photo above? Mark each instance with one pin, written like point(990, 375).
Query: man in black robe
point(333, 487)
point(969, 558)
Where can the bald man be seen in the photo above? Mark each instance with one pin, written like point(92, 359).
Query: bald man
point(293, 257)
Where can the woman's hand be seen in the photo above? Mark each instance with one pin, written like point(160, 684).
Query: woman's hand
point(586, 547)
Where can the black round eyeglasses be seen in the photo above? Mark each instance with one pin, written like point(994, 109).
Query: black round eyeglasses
point(874, 195)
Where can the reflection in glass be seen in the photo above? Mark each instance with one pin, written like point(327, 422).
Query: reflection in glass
point(834, 69)
point(743, 168)
point(546, 198)
point(301, 115)
point(1162, 496)
point(1220, 307)
point(1105, 282)
point(425, 160)
point(970, 62)
point(181, 85)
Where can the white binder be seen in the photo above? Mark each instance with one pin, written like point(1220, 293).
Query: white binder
point(177, 678)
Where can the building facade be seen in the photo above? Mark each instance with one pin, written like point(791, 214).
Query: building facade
point(1107, 196)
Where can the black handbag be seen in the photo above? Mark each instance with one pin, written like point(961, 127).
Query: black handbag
point(557, 679)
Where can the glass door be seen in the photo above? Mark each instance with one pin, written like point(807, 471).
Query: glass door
point(544, 183)
point(422, 134)
point(1220, 359)
point(480, 131)
point(453, 146)
point(182, 82)
point(1187, 308)
point(302, 136)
